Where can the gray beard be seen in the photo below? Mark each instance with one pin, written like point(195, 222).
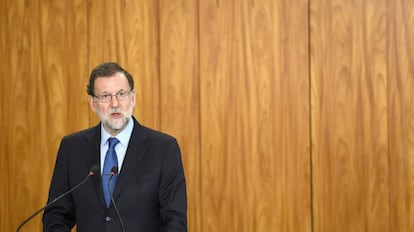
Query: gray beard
point(118, 126)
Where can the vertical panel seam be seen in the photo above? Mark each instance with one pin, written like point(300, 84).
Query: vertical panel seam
point(88, 48)
point(200, 140)
point(387, 54)
point(159, 114)
point(312, 209)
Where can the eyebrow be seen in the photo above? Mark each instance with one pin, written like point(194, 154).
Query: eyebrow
point(105, 92)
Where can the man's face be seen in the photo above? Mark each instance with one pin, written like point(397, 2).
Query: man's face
point(115, 113)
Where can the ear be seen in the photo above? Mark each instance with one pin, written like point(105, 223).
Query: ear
point(133, 98)
point(91, 103)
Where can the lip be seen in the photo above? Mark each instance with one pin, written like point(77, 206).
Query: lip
point(116, 115)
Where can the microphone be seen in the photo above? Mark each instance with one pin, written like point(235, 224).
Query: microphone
point(114, 171)
point(93, 171)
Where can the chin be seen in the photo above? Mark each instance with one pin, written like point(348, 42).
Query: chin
point(117, 124)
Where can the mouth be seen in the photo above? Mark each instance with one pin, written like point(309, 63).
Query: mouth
point(116, 115)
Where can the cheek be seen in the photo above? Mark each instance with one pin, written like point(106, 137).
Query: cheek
point(125, 106)
point(130, 108)
point(100, 109)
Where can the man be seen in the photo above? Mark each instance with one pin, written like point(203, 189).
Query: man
point(144, 165)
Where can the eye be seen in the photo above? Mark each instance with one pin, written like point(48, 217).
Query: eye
point(122, 94)
point(105, 96)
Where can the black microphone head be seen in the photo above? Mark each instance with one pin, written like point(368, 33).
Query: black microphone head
point(94, 170)
point(114, 170)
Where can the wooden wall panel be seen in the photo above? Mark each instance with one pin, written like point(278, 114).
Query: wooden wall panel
point(254, 116)
point(349, 116)
point(127, 32)
point(41, 43)
point(400, 66)
point(180, 93)
point(5, 44)
point(231, 80)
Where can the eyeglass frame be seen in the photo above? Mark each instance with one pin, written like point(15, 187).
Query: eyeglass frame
point(118, 96)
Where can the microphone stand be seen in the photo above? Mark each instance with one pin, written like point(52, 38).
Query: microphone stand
point(114, 171)
point(91, 173)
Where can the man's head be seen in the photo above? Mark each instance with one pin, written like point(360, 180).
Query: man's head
point(112, 96)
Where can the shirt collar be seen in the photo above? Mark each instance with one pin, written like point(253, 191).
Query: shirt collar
point(123, 136)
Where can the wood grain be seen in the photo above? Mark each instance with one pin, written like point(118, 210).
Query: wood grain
point(349, 116)
point(180, 93)
point(43, 43)
point(400, 64)
point(287, 121)
point(254, 116)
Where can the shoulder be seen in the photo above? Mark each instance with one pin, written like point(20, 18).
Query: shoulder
point(93, 132)
point(145, 133)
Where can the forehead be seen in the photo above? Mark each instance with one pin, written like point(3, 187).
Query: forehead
point(114, 83)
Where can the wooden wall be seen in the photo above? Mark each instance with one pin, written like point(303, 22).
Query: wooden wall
point(292, 115)
point(362, 104)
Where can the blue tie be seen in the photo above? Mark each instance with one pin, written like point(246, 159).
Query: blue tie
point(111, 160)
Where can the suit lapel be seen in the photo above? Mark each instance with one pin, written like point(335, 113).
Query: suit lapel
point(137, 148)
point(93, 151)
point(93, 147)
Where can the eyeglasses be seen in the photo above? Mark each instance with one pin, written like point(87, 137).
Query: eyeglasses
point(106, 97)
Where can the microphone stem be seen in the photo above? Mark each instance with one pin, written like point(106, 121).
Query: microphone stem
point(56, 199)
point(114, 204)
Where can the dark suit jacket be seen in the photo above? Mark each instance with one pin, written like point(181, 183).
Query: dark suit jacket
point(150, 192)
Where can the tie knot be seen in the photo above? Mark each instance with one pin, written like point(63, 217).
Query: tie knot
point(112, 142)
